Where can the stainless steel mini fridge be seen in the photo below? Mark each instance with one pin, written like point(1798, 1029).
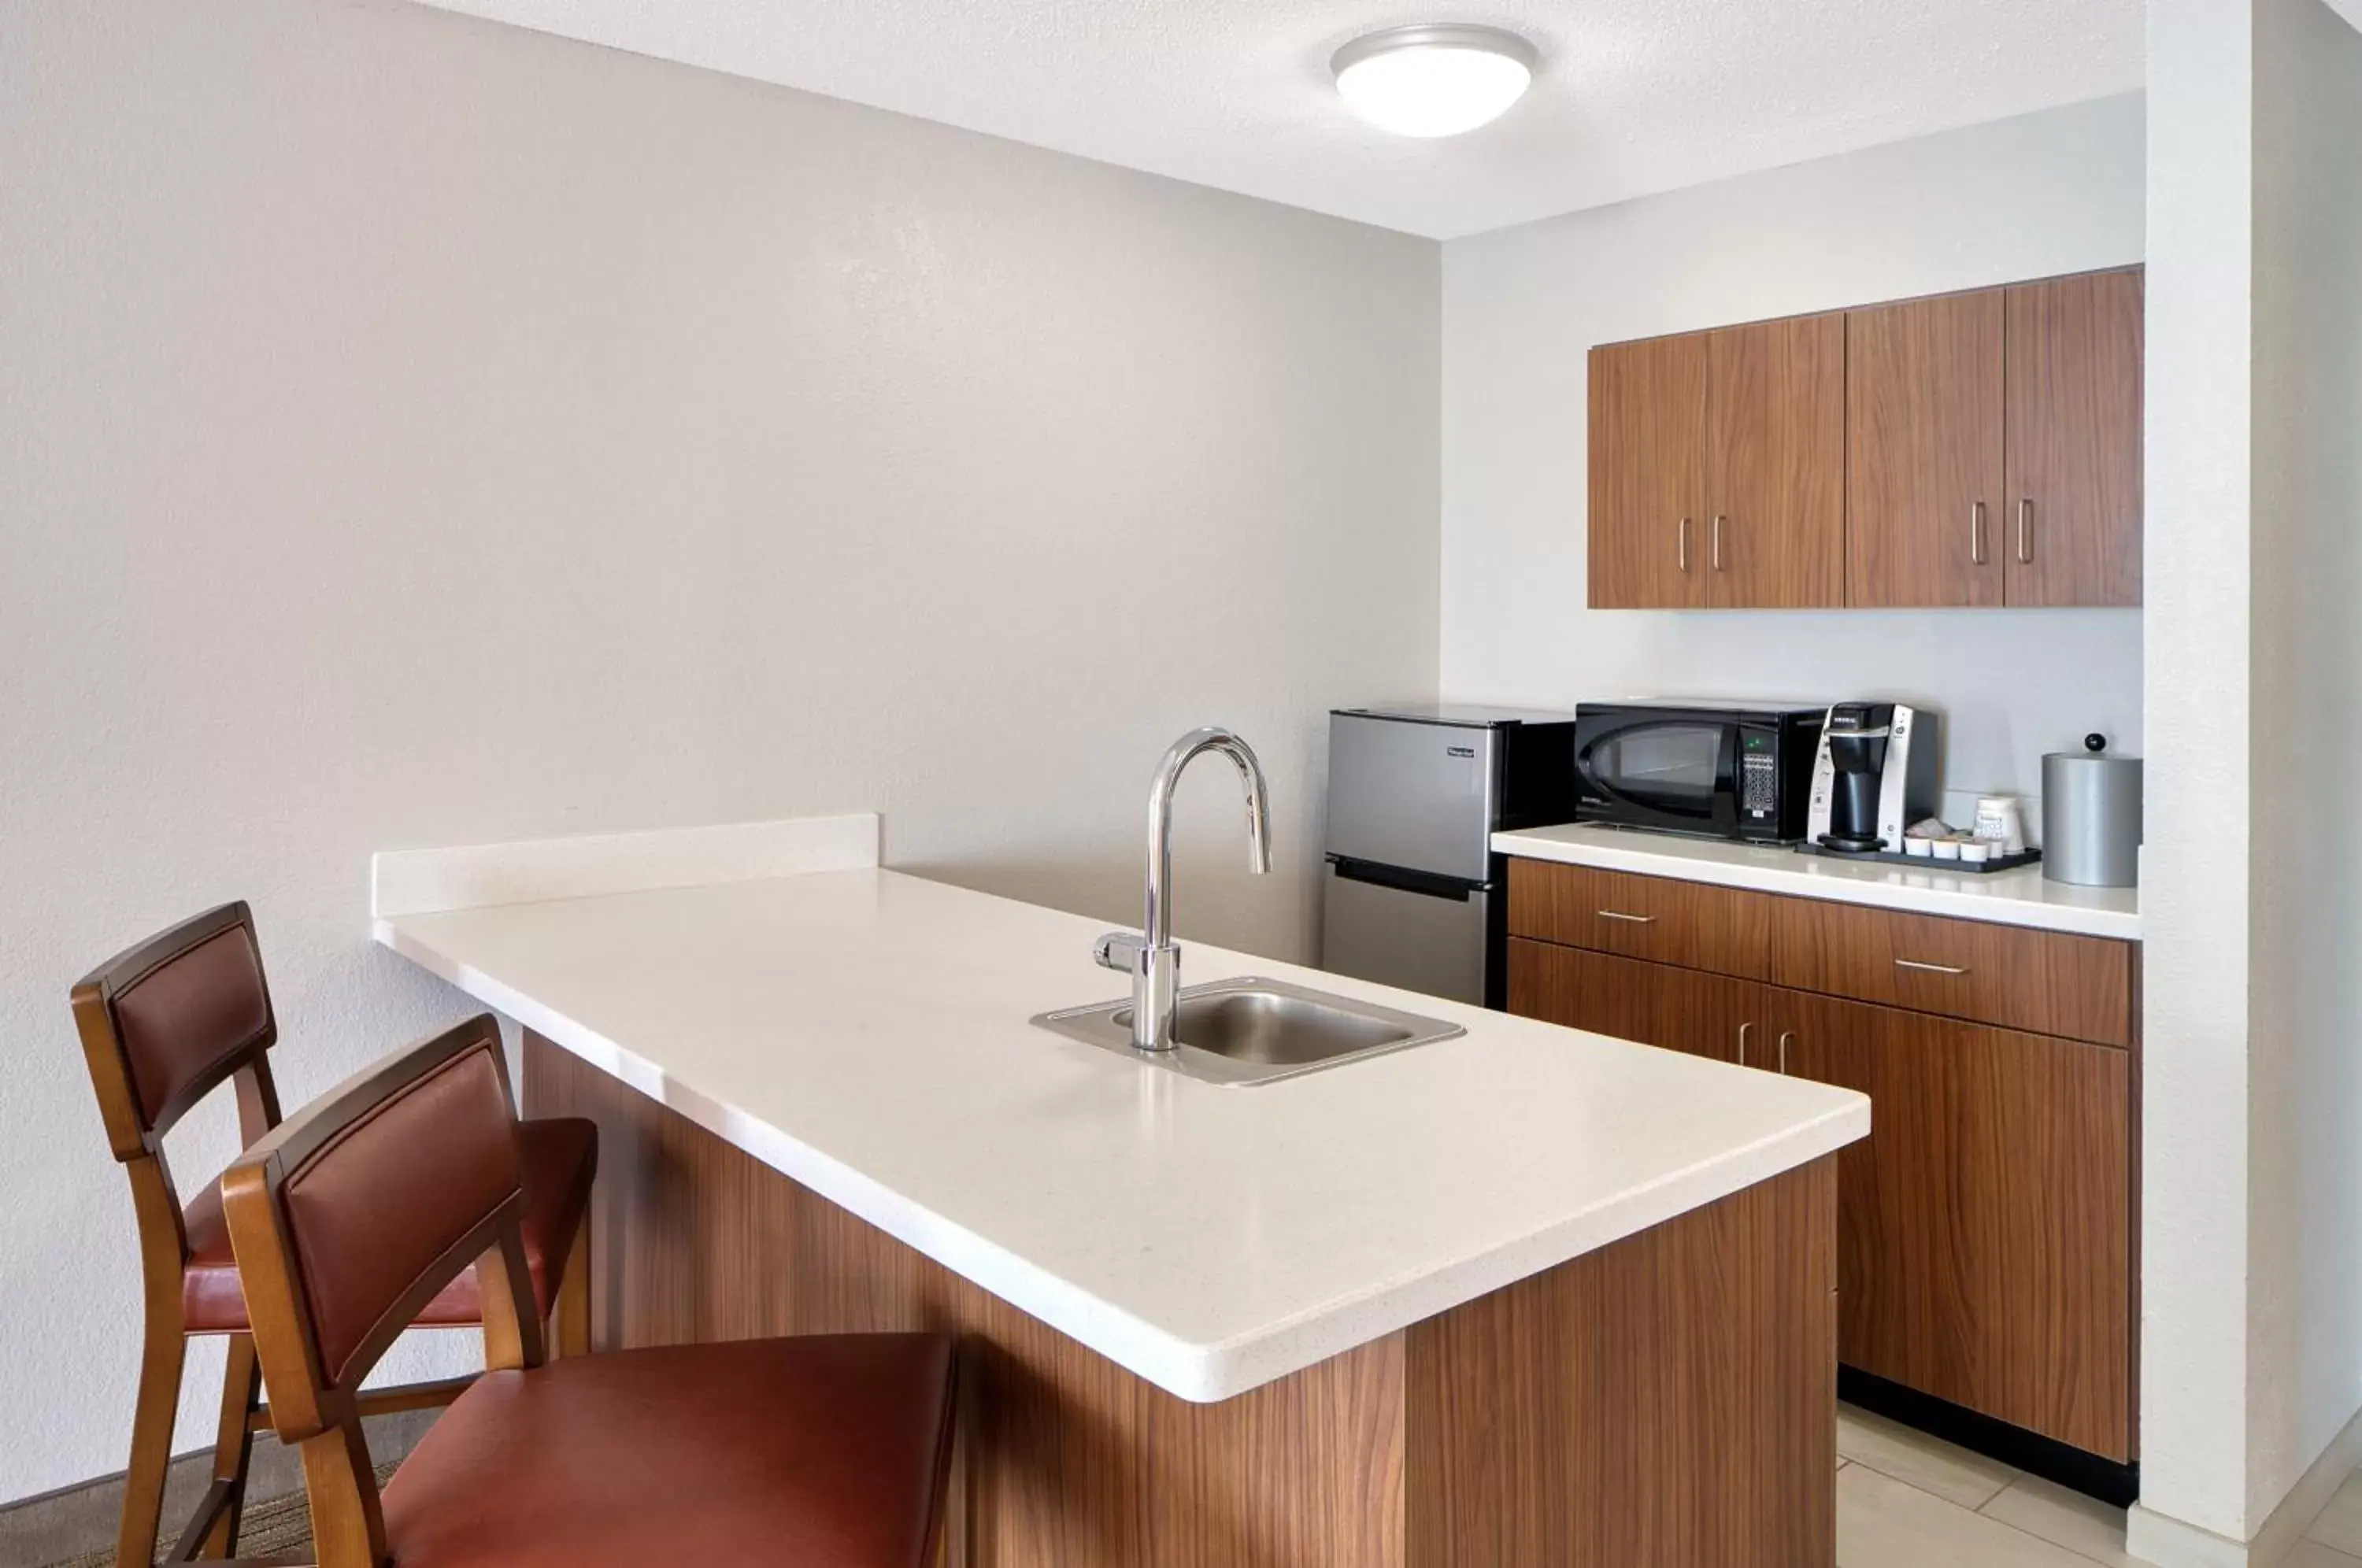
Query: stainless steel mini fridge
point(1414, 896)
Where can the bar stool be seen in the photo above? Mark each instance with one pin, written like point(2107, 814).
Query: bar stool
point(162, 1025)
point(826, 1451)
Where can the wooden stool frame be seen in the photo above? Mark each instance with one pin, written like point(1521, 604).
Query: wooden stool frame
point(135, 1137)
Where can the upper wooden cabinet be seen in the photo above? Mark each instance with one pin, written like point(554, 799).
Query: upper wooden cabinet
point(1923, 473)
point(1980, 449)
point(2074, 440)
point(1718, 465)
point(1775, 463)
point(1648, 472)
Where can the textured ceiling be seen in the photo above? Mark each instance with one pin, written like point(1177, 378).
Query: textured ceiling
point(1633, 95)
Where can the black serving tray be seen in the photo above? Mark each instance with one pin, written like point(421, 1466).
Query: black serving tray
point(1929, 863)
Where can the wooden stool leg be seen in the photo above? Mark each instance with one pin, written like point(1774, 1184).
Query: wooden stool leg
point(959, 1497)
point(151, 1445)
point(571, 1311)
point(234, 1443)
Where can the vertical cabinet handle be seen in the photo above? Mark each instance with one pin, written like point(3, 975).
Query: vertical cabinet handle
point(1742, 1041)
point(1785, 1036)
point(1977, 533)
point(1718, 521)
point(1684, 547)
point(2026, 530)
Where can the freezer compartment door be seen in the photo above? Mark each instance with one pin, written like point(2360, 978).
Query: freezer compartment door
point(1418, 932)
point(1414, 795)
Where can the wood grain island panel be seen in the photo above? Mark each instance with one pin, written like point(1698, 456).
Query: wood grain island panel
point(1669, 1399)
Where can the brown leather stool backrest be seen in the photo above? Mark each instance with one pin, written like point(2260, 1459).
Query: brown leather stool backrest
point(347, 1220)
point(164, 1022)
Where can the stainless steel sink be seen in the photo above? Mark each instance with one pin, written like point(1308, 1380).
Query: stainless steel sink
point(1253, 1030)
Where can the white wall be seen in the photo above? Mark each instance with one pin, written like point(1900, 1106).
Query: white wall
point(2056, 191)
point(2194, 896)
point(2304, 1351)
point(2251, 895)
point(417, 432)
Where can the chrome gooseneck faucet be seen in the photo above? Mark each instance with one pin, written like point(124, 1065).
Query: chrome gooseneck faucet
point(1152, 958)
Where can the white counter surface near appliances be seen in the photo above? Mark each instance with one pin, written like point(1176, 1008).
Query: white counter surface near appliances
point(2020, 897)
point(865, 1032)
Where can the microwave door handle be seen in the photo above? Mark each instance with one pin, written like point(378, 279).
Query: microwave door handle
point(1587, 775)
point(1610, 790)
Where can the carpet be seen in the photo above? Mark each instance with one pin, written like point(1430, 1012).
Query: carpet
point(273, 1527)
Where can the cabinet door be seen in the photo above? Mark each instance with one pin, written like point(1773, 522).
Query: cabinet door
point(2074, 524)
point(1648, 474)
point(1775, 488)
point(1983, 1228)
point(1657, 1004)
point(1923, 475)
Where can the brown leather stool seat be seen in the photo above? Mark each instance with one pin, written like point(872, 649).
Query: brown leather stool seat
point(820, 1452)
point(559, 1155)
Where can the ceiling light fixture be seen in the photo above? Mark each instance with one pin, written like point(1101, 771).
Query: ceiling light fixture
point(1433, 80)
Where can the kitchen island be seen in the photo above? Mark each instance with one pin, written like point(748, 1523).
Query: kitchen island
point(1524, 1296)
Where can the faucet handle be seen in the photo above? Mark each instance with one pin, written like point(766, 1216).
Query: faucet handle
point(1126, 952)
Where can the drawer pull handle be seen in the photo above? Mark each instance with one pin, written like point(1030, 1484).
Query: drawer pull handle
point(1930, 968)
point(1619, 914)
point(1742, 1041)
point(1785, 1036)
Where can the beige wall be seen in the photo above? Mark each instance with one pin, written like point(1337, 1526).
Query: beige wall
point(413, 432)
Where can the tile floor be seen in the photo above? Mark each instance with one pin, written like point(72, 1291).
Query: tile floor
point(1906, 1501)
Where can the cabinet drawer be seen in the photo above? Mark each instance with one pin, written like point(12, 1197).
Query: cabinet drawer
point(1727, 929)
point(2045, 981)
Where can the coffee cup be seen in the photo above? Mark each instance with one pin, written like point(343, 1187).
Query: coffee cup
point(2001, 821)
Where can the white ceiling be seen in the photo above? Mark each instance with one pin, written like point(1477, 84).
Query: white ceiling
point(1633, 95)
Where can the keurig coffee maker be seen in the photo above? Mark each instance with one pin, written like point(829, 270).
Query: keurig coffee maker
point(1874, 776)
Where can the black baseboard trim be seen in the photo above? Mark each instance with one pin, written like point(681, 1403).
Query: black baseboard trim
point(2074, 1468)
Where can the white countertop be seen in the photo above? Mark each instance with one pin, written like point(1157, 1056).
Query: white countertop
point(866, 1033)
point(2022, 896)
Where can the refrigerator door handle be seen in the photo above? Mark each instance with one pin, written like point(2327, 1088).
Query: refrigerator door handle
point(1402, 879)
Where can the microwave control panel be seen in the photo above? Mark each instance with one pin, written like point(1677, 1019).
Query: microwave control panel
point(1759, 776)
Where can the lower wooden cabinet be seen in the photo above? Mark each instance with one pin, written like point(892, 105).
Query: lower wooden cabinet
point(1984, 1252)
point(1657, 1004)
point(1984, 1226)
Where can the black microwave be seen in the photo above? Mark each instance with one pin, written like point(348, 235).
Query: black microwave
point(1732, 772)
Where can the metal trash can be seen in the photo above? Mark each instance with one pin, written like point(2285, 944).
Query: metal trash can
point(2091, 816)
